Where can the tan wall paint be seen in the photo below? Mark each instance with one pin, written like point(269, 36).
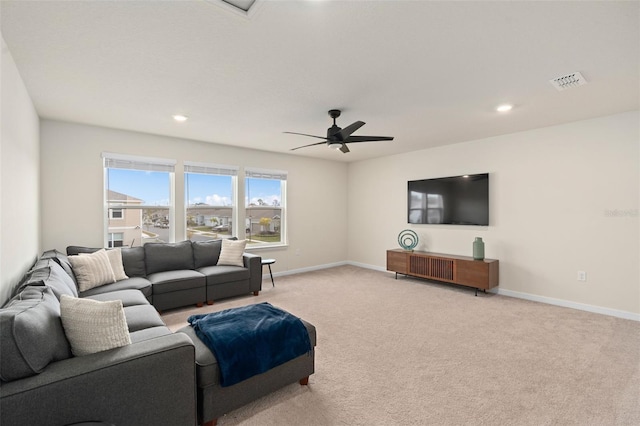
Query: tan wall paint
point(72, 176)
point(19, 178)
point(550, 190)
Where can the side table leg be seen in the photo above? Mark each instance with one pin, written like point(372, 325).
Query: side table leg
point(272, 283)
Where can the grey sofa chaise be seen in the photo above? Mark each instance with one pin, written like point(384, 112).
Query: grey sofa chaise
point(173, 275)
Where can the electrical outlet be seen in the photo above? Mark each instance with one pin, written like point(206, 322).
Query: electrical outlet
point(297, 252)
point(582, 276)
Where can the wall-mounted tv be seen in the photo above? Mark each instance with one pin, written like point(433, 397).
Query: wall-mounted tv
point(455, 200)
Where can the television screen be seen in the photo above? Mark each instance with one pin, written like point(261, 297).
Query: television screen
point(456, 200)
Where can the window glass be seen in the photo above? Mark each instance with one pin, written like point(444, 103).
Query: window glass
point(138, 201)
point(210, 203)
point(265, 196)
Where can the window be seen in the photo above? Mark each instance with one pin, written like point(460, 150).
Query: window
point(210, 200)
point(265, 201)
point(138, 200)
point(116, 214)
point(115, 239)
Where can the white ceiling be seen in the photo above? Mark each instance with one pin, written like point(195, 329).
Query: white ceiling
point(428, 73)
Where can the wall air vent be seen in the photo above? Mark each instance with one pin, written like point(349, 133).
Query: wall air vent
point(568, 81)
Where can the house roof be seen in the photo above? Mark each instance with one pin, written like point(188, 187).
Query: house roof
point(428, 73)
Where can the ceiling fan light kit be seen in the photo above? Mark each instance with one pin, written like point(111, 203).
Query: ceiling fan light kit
point(337, 138)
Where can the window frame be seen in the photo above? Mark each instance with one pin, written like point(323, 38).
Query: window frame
point(192, 167)
point(143, 164)
point(267, 174)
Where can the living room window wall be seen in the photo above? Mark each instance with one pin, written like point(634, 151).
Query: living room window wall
point(138, 194)
point(265, 207)
point(210, 200)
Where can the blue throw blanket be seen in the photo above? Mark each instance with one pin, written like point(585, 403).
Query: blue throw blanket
point(251, 340)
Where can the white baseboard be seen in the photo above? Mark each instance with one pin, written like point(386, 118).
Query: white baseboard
point(542, 299)
point(569, 304)
point(302, 270)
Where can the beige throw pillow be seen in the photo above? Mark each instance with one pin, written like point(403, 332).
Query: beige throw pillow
point(231, 252)
point(115, 260)
point(92, 270)
point(92, 326)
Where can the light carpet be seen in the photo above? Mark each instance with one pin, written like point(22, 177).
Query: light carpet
point(411, 352)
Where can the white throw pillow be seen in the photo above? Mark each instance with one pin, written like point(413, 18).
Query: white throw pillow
point(92, 270)
point(92, 326)
point(231, 252)
point(115, 259)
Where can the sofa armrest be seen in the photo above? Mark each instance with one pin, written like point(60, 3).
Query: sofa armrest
point(254, 263)
point(151, 382)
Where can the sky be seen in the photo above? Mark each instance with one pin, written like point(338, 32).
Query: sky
point(153, 187)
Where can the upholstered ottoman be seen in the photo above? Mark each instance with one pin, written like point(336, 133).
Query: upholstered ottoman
point(215, 400)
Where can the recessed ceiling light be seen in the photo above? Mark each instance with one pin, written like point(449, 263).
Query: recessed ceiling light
point(180, 118)
point(504, 108)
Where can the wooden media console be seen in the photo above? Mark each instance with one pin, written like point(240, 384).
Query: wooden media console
point(461, 270)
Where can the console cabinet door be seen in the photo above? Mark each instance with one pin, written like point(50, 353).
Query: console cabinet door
point(397, 261)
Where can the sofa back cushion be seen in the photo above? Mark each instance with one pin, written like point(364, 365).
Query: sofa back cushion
point(32, 333)
point(132, 258)
point(61, 259)
point(161, 257)
point(47, 272)
point(206, 253)
point(133, 261)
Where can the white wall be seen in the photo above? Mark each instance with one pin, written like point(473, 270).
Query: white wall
point(72, 182)
point(550, 193)
point(19, 178)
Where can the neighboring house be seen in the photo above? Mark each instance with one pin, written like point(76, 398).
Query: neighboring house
point(255, 213)
point(125, 224)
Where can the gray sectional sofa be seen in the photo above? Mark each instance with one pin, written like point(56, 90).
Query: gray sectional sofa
point(148, 382)
point(161, 378)
point(172, 275)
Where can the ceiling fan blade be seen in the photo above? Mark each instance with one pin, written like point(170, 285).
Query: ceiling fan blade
point(311, 144)
point(346, 132)
point(351, 139)
point(304, 134)
point(344, 148)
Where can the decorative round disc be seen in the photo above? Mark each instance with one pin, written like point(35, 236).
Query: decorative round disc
point(408, 239)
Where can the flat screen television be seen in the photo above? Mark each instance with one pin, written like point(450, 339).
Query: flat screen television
point(455, 200)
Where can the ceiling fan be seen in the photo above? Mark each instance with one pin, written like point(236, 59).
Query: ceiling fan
point(338, 138)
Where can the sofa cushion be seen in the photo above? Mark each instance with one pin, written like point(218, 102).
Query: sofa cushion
point(140, 317)
point(133, 261)
point(32, 333)
point(149, 333)
point(206, 253)
point(92, 326)
point(168, 281)
point(128, 297)
point(161, 257)
point(92, 270)
point(48, 272)
point(135, 283)
point(231, 253)
point(224, 274)
point(132, 258)
point(62, 260)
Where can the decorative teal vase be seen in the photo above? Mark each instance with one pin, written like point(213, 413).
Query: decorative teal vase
point(478, 249)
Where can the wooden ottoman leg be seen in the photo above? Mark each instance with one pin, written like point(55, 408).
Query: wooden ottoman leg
point(304, 381)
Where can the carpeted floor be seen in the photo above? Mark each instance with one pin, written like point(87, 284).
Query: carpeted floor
point(410, 352)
